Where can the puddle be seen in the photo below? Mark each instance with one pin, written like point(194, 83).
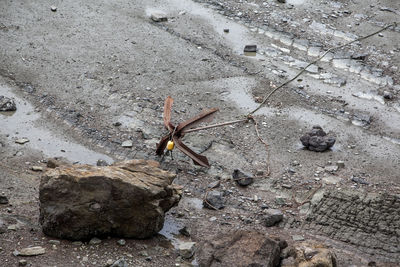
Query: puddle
point(21, 124)
point(170, 230)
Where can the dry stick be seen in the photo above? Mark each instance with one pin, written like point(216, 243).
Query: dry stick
point(308, 198)
point(315, 61)
point(265, 144)
point(215, 125)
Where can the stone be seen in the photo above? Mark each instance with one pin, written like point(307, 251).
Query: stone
point(7, 104)
point(127, 143)
point(317, 140)
point(184, 231)
point(331, 168)
point(30, 251)
point(186, 249)
point(120, 263)
point(359, 56)
point(359, 180)
point(94, 241)
point(239, 248)
point(101, 162)
point(56, 162)
point(213, 200)
point(22, 141)
point(3, 226)
point(121, 242)
point(54, 242)
point(13, 227)
point(23, 263)
point(127, 199)
point(214, 184)
point(158, 17)
point(297, 238)
point(340, 164)
point(331, 179)
point(53, 8)
point(37, 168)
point(272, 217)
point(250, 49)
point(242, 178)
point(387, 95)
point(314, 255)
point(3, 200)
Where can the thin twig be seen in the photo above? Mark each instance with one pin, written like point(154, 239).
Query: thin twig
point(315, 61)
point(206, 201)
point(215, 125)
point(308, 197)
point(265, 144)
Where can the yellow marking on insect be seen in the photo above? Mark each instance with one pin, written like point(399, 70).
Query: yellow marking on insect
point(170, 145)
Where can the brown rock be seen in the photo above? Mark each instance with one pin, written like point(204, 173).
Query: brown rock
point(314, 255)
point(127, 199)
point(239, 248)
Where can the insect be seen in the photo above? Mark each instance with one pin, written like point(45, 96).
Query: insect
point(173, 138)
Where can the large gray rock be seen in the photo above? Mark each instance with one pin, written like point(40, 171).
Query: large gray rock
point(127, 199)
point(239, 248)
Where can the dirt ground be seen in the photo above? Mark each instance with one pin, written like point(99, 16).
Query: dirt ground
point(88, 76)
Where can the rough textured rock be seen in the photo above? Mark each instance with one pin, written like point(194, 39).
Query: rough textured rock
point(317, 140)
point(368, 220)
point(242, 178)
point(214, 200)
point(314, 255)
point(186, 249)
point(7, 104)
point(239, 248)
point(30, 251)
point(272, 217)
point(127, 199)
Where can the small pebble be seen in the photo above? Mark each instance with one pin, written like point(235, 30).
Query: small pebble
point(53, 8)
point(94, 241)
point(121, 242)
point(3, 200)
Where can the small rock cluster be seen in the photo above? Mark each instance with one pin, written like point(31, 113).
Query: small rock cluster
point(317, 140)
